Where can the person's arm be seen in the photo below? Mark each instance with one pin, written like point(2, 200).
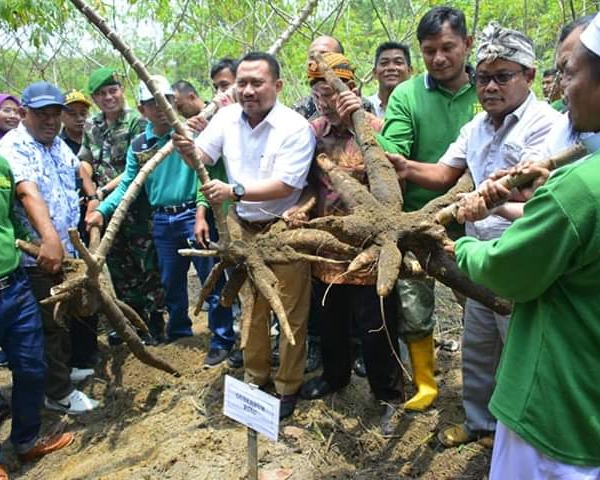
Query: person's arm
point(433, 176)
point(529, 256)
point(88, 186)
point(436, 176)
point(472, 207)
point(110, 203)
point(218, 191)
point(51, 250)
point(208, 145)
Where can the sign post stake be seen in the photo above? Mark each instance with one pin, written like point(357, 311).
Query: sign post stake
point(258, 411)
point(252, 454)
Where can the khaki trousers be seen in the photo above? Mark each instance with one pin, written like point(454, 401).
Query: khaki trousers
point(294, 287)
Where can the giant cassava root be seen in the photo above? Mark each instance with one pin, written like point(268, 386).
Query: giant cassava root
point(87, 289)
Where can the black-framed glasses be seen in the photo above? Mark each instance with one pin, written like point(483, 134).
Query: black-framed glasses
point(500, 78)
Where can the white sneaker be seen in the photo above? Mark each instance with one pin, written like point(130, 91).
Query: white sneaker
point(75, 403)
point(80, 374)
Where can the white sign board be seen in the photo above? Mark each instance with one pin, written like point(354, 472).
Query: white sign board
point(251, 407)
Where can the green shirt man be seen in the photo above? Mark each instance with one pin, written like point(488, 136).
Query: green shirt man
point(423, 117)
point(548, 262)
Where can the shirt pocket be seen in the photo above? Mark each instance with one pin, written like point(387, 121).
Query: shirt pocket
point(266, 165)
point(511, 153)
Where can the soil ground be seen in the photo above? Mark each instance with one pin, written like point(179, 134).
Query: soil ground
point(151, 425)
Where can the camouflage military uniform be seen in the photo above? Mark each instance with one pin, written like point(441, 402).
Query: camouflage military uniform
point(307, 108)
point(132, 260)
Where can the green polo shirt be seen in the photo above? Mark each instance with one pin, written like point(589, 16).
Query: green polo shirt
point(10, 228)
point(548, 262)
point(422, 119)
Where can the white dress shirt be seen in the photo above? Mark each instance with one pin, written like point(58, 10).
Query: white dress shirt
point(281, 147)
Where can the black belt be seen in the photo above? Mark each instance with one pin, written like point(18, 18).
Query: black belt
point(11, 278)
point(175, 209)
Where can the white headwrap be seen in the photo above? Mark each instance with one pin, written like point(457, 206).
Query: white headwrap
point(591, 36)
point(499, 42)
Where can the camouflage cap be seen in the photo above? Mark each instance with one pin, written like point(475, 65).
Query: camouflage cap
point(101, 78)
point(74, 96)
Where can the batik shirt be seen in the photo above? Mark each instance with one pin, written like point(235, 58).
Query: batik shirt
point(339, 144)
point(105, 147)
point(53, 170)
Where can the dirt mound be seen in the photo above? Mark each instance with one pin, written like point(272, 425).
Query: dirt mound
point(152, 425)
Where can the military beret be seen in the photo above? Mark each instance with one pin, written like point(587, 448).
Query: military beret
point(101, 78)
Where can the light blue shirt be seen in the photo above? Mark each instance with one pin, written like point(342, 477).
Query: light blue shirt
point(53, 169)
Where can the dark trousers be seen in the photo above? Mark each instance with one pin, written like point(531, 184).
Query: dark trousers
point(84, 342)
point(361, 303)
point(22, 338)
point(172, 232)
point(57, 339)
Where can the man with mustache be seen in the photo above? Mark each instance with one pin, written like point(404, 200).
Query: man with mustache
point(423, 117)
point(267, 149)
point(44, 170)
point(512, 127)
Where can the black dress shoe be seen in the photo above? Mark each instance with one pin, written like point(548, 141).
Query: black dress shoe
point(147, 339)
point(316, 388)
point(313, 356)
point(114, 339)
point(235, 359)
point(386, 421)
point(287, 405)
point(359, 366)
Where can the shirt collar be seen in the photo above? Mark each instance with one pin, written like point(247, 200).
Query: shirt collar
point(271, 117)
point(27, 136)
point(150, 134)
point(432, 84)
point(518, 113)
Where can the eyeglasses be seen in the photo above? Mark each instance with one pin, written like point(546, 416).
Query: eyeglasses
point(500, 78)
point(9, 111)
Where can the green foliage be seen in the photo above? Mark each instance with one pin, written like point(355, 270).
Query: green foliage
point(183, 38)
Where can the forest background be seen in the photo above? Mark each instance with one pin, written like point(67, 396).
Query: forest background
point(50, 40)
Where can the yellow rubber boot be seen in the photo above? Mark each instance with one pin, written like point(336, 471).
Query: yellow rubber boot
point(422, 360)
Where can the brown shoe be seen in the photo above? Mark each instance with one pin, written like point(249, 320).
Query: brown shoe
point(459, 435)
point(49, 445)
point(3, 473)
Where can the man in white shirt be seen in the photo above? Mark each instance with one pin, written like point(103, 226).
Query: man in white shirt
point(267, 149)
point(512, 127)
